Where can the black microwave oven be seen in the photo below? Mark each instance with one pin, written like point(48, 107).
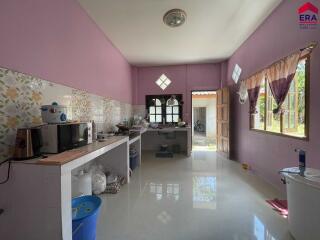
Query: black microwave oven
point(61, 137)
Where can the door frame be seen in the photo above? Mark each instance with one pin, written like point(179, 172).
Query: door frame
point(191, 108)
point(225, 153)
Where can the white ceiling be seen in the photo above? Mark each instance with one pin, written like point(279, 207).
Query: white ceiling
point(214, 29)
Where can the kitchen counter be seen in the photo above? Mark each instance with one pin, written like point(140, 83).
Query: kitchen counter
point(153, 138)
point(44, 187)
point(76, 154)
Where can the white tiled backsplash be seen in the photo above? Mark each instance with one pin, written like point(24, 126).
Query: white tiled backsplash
point(139, 110)
point(21, 97)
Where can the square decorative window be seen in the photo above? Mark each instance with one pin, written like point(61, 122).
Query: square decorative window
point(236, 73)
point(163, 82)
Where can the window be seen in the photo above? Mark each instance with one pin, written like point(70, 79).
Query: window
point(293, 120)
point(163, 82)
point(172, 111)
point(236, 73)
point(272, 120)
point(155, 111)
point(259, 121)
point(167, 107)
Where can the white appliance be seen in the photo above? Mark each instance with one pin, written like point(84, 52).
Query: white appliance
point(303, 195)
point(54, 113)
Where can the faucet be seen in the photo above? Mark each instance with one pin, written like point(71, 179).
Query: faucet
point(302, 164)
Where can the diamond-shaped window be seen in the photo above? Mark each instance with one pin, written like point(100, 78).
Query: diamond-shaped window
point(236, 73)
point(163, 82)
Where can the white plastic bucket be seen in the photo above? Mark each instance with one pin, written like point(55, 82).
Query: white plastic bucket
point(81, 184)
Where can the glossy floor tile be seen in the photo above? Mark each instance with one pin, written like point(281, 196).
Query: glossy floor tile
point(204, 197)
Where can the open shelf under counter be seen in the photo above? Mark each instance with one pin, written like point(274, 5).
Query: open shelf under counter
point(153, 138)
point(45, 186)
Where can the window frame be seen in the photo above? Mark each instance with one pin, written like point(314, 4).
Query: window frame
point(155, 114)
point(307, 58)
point(165, 98)
point(172, 114)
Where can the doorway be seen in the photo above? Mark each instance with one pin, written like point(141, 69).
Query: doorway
point(204, 120)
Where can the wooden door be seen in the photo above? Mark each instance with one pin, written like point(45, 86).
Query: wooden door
point(223, 114)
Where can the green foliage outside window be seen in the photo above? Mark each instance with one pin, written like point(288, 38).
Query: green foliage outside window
point(294, 107)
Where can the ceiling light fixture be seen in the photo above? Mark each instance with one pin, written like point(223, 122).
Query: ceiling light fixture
point(174, 17)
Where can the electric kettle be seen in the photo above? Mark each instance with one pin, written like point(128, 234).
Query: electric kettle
point(28, 143)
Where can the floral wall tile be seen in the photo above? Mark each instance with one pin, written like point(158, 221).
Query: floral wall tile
point(81, 105)
point(21, 97)
point(20, 103)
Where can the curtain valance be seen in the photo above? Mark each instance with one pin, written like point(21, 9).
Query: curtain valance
point(279, 76)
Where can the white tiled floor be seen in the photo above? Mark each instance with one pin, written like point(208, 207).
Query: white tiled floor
point(203, 197)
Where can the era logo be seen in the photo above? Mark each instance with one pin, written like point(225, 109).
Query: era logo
point(308, 15)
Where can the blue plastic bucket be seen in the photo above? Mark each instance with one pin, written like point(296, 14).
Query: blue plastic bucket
point(85, 212)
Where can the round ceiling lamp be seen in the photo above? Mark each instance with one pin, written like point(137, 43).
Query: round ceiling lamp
point(174, 17)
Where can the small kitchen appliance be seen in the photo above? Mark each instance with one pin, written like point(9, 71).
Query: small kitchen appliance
point(28, 143)
point(61, 137)
point(54, 113)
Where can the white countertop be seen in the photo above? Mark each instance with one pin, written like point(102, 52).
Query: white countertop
point(82, 155)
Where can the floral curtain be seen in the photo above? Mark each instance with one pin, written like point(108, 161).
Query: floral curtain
point(253, 87)
point(279, 76)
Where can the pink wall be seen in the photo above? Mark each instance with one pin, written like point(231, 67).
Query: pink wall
point(57, 41)
point(185, 78)
point(277, 37)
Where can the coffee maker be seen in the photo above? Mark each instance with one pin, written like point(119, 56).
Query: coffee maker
point(28, 143)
